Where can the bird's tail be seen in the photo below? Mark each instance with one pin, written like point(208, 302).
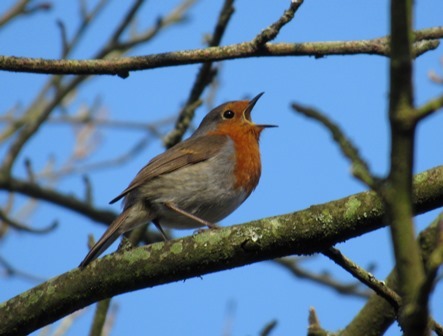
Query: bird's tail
point(112, 233)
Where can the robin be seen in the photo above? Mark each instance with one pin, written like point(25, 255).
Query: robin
point(197, 182)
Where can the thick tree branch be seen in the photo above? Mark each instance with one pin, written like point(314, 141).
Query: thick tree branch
point(397, 189)
point(378, 46)
point(304, 232)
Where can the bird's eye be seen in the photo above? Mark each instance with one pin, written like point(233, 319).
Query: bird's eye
point(228, 114)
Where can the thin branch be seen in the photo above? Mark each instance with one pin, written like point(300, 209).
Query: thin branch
point(437, 328)
point(360, 168)
point(421, 47)
point(12, 271)
point(428, 108)
point(64, 37)
point(101, 311)
point(38, 115)
point(29, 171)
point(291, 264)
point(177, 15)
point(434, 77)
point(124, 23)
point(88, 190)
point(86, 19)
point(17, 9)
point(151, 127)
point(22, 227)
point(427, 34)
point(21, 8)
point(64, 200)
point(34, 120)
point(101, 165)
point(204, 77)
point(65, 324)
point(365, 277)
point(122, 66)
point(433, 263)
point(268, 328)
point(272, 31)
point(314, 328)
point(32, 109)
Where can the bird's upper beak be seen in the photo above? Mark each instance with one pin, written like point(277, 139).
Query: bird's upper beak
point(249, 108)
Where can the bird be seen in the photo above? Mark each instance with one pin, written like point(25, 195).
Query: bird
point(197, 182)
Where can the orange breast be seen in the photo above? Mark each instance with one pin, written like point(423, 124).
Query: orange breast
point(248, 164)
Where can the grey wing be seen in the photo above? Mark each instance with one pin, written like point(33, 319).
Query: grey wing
point(190, 151)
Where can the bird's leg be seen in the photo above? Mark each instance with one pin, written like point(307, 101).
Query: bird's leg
point(172, 207)
point(158, 226)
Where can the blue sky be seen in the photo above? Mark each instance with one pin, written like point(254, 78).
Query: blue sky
point(301, 165)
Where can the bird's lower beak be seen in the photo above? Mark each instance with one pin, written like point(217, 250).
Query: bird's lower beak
point(249, 108)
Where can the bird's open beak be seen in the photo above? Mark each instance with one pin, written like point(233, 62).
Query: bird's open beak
point(249, 108)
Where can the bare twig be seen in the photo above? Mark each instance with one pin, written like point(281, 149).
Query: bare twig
point(124, 23)
point(365, 277)
point(101, 312)
point(22, 227)
point(151, 128)
point(36, 191)
point(35, 117)
point(437, 328)
point(204, 77)
point(12, 271)
point(268, 328)
point(291, 264)
point(433, 76)
point(177, 15)
point(64, 38)
point(88, 190)
point(104, 164)
point(66, 323)
point(22, 7)
point(272, 31)
point(360, 168)
point(428, 108)
point(29, 170)
point(33, 120)
point(433, 264)
point(314, 328)
point(86, 19)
